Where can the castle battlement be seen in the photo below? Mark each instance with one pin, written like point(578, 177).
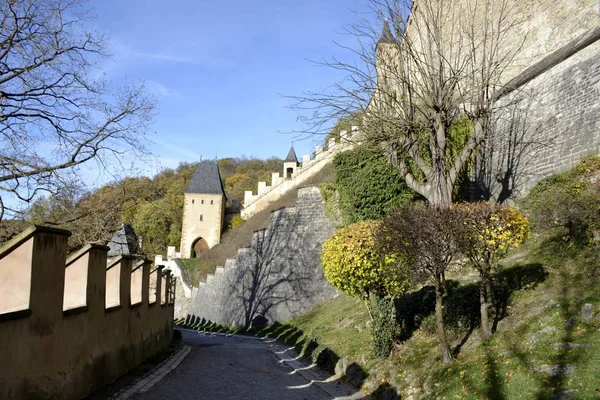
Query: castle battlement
point(65, 322)
point(295, 173)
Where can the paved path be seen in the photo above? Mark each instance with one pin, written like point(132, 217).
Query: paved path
point(238, 367)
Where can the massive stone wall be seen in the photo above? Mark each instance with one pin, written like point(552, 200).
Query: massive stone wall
point(544, 127)
point(279, 276)
point(531, 30)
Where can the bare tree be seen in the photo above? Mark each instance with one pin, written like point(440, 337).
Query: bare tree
point(56, 110)
point(437, 61)
point(429, 238)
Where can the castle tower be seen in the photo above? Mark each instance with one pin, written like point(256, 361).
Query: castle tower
point(387, 66)
point(290, 164)
point(203, 210)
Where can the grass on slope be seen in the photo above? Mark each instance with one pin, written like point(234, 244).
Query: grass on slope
point(541, 287)
point(241, 236)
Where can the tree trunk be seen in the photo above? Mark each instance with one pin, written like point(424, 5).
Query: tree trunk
point(439, 193)
point(484, 304)
point(490, 295)
point(439, 323)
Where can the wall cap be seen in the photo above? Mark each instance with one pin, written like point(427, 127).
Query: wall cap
point(140, 264)
point(28, 233)
point(71, 258)
point(111, 263)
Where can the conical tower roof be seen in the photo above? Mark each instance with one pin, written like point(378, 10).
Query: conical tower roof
point(124, 242)
point(206, 179)
point(386, 34)
point(291, 157)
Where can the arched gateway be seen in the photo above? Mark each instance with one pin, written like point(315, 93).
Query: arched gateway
point(199, 246)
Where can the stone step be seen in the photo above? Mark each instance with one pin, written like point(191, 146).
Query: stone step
point(567, 394)
point(219, 270)
point(230, 262)
point(570, 346)
point(209, 278)
point(555, 370)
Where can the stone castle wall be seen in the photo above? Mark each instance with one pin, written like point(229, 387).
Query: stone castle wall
point(532, 30)
point(544, 127)
point(309, 166)
point(279, 276)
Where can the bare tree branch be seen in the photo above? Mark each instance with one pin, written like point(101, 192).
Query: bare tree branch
point(56, 112)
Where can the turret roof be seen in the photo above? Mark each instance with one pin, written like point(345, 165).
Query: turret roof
point(206, 179)
point(291, 157)
point(386, 34)
point(124, 242)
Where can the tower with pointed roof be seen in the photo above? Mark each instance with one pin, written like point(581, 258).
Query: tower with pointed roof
point(290, 164)
point(203, 210)
point(388, 58)
point(387, 66)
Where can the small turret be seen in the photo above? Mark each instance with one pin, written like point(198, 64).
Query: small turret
point(290, 164)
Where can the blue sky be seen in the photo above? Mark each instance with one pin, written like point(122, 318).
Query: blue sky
point(218, 69)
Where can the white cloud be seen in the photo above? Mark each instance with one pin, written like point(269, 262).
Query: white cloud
point(123, 51)
point(161, 90)
point(183, 154)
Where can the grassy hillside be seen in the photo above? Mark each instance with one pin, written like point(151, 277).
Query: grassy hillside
point(542, 289)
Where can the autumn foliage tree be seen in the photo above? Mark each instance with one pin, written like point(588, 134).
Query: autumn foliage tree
point(491, 231)
point(359, 261)
point(356, 261)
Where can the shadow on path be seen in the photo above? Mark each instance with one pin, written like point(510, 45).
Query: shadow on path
point(236, 367)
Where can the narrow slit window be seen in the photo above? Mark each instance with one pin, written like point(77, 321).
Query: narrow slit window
point(201, 201)
point(201, 217)
point(212, 202)
point(193, 201)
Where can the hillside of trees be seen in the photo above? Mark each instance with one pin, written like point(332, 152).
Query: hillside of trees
point(154, 206)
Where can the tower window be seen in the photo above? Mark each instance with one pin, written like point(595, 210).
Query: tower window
point(212, 202)
point(201, 201)
point(193, 201)
point(201, 217)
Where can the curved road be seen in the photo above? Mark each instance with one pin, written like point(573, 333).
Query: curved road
point(239, 367)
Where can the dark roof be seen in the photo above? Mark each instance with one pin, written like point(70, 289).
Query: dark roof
point(206, 179)
point(386, 34)
point(291, 157)
point(124, 242)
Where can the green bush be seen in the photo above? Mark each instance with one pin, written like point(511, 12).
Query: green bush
point(331, 197)
point(570, 200)
point(367, 185)
point(385, 328)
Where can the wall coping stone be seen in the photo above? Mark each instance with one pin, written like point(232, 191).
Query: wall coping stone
point(81, 252)
point(28, 233)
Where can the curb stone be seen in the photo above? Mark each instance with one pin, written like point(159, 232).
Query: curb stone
point(154, 376)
